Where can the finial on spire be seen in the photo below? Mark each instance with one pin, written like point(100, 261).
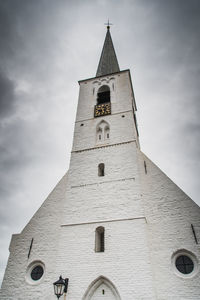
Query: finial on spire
point(108, 24)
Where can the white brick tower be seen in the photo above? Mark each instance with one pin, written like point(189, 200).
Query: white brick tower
point(115, 224)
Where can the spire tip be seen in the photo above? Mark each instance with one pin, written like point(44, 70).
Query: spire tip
point(108, 24)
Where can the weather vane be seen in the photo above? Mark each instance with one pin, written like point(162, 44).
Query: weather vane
point(108, 24)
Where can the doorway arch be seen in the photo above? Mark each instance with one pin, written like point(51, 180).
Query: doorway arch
point(101, 289)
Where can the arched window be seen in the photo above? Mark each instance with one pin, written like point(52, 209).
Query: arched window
point(101, 169)
point(99, 239)
point(102, 132)
point(103, 95)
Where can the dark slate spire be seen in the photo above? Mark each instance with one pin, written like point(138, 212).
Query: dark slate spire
point(108, 61)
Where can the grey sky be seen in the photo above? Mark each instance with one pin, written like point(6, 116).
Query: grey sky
point(46, 46)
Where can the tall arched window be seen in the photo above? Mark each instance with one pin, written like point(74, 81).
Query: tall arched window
point(99, 239)
point(101, 169)
point(99, 134)
point(103, 95)
point(106, 132)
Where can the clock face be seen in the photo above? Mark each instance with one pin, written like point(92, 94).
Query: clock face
point(102, 109)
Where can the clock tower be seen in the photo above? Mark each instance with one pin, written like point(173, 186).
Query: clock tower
point(115, 224)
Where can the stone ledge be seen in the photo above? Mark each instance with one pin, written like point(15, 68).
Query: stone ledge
point(97, 183)
point(105, 221)
point(104, 146)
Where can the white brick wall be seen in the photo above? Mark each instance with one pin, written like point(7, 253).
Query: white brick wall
point(169, 213)
point(44, 227)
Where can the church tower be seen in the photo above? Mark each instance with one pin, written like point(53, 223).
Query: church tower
point(115, 224)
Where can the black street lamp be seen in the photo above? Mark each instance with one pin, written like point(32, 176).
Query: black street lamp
point(60, 286)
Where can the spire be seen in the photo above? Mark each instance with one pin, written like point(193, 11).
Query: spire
point(108, 61)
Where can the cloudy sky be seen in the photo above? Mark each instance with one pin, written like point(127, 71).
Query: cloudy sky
point(46, 46)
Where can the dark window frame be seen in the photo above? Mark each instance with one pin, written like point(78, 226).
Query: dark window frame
point(101, 170)
point(184, 264)
point(37, 272)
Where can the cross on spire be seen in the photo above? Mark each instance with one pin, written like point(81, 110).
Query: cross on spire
point(108, 24)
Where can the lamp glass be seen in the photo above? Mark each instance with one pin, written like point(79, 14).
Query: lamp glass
point(59, 287)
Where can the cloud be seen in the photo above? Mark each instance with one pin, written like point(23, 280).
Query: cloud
point(7, 97)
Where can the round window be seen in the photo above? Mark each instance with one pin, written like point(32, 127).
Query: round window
point(37, 272)
point(184, 264)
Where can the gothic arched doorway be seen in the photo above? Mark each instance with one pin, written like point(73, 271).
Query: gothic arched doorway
point(101, 289)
